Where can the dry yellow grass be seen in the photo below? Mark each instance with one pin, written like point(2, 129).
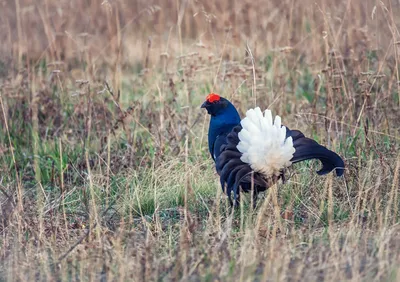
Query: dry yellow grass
point(104, 168)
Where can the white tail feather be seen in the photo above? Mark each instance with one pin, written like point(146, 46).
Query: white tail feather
point(263, 143)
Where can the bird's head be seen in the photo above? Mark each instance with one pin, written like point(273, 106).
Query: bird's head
point(217, 105)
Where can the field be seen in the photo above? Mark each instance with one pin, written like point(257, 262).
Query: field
point(105, 173)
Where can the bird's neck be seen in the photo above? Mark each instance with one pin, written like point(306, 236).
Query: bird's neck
point(222, 124)
point(218, 123)
point(230, 116)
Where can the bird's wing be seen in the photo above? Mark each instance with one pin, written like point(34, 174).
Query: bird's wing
point(220, 141)
point(233, 171)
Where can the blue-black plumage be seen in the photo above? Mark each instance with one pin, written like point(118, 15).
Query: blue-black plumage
point(249, 167)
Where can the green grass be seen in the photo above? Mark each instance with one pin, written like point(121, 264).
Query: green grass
point(140, 175)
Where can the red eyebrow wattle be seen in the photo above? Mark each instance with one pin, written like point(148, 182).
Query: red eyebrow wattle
point(212, 97)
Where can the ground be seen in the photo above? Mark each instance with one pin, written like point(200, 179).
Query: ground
point(105, 173)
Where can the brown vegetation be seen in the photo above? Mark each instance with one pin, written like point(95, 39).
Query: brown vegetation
point(104, 170)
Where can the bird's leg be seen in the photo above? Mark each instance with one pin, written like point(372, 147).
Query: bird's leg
point(283, 177)
point(228, 192)
point(237, 201)
point(230, 202)
point(236, 196)
point(255, 196)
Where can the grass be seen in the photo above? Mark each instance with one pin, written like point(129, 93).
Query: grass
point(105, 173)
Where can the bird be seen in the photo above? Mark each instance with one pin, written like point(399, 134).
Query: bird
point(252, 154)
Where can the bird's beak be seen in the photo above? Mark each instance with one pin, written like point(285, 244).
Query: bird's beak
point(203, 105)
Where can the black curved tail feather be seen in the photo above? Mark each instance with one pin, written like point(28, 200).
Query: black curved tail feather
point(307, 149)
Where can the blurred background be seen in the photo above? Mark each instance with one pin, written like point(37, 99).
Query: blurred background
point(104, 169)
point(105, 30)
